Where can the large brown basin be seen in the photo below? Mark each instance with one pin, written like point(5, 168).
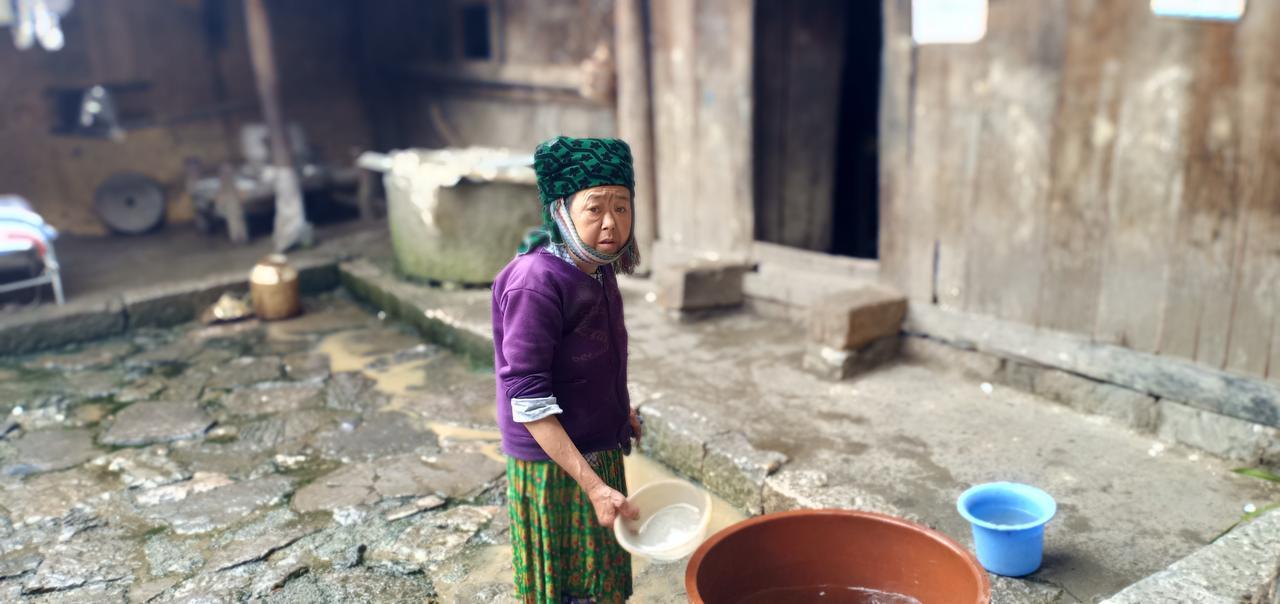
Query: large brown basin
point(840, 548)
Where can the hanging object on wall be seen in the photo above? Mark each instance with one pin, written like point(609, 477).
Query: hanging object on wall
point(35, 21)
point(1212, 10)
point(948, 21)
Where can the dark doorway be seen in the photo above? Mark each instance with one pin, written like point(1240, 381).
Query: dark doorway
point(817, 84)
point(857, 208)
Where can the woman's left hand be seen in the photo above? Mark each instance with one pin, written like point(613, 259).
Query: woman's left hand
point(637, 424)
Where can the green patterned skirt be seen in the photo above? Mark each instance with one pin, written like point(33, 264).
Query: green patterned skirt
point(559, 551)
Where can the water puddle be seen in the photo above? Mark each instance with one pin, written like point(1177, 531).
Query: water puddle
point(355, 350)
point(401, 377)
point(489, 440)
point(375, 357)
point(476, 576)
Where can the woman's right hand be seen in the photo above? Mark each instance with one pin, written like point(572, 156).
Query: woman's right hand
point(609, 504)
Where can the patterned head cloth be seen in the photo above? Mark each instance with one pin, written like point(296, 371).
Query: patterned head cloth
point(567, 165)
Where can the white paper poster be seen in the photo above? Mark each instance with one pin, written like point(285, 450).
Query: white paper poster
point(948, 21)
point(1216, 10)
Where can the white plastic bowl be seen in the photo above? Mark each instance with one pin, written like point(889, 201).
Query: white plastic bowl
point(655, 497)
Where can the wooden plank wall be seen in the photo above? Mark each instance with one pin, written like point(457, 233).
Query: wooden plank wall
point(702, 106)
point(1091, 168)
point(531, 36)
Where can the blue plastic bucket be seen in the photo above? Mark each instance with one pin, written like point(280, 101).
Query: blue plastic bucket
point(1008, 525)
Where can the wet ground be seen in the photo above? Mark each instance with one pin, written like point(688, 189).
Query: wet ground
point(908, 439)
point(336, 457)
point(328, 458)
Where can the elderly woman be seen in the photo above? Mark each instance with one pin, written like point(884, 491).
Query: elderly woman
point(560, 350)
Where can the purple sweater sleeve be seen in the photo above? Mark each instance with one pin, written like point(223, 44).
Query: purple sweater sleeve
point(531, 327)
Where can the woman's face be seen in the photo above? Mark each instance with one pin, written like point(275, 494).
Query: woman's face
point(602, 216)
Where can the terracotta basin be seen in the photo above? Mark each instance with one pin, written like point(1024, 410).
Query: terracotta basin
point(752, 560)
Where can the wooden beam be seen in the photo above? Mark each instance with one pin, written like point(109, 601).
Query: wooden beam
point(291, 226)
point(897, 97)
point(559, 77)
point(1182, 381)
point(723, 189)
point(635, 112)
point(674, 107)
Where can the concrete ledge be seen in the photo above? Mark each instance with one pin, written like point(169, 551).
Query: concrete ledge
point(54, 326)
point(1252, 400)
point(1130, 407)
point(736, 470)
point(952, 357)
point(1242, 566)
point(1218, 434)
point(160, 306)
point(725, 462)
point(457, 319)
point(1221, 435)
point(792, 489)
point(175, 303)
point(677, 437)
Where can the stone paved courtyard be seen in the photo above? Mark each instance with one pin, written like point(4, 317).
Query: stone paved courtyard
point(336, 457)
point(329, 458)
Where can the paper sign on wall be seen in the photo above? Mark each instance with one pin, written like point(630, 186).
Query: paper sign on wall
point(1217, 10)
point(948, 21)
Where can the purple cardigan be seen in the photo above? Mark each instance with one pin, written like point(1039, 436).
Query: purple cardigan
point(559, 332)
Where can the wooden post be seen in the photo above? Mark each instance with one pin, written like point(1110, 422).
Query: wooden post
point(364, 194)
point(230, 205)
point(291, 226)
point(635, 116)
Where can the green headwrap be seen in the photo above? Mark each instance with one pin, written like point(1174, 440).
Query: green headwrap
point(567, 165)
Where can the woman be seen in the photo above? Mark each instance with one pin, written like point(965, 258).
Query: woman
point(560, 351)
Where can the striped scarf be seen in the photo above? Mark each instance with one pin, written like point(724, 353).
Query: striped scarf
point(573, 242)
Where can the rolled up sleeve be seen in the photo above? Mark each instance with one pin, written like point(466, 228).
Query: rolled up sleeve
point(531, 330)
point(525, 410)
